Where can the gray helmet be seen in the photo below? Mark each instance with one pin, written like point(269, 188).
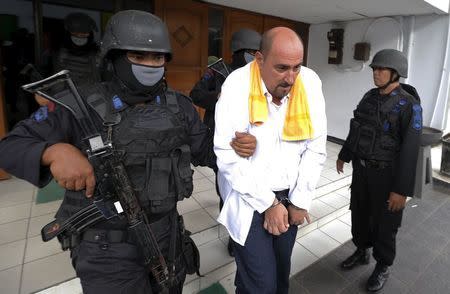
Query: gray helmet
point(245, 39)
point(135, 30)
point(392, 59)
point(78, 22)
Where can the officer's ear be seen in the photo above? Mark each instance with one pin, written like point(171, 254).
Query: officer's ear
point(395, 76)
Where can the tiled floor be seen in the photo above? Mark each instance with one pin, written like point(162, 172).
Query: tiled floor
point(422, 264)
point(28, 265)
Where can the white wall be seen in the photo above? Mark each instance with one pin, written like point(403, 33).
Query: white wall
point(24, 11)
point(422, 38)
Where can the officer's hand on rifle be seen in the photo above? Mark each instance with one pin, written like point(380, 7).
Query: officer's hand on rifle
point(244, 144)
point(70, 168)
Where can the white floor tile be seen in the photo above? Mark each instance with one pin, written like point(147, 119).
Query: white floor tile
point(344, 191)
point(10, 280)
point(223, 232)
point(301, 258)
point(197, 175)
point(332, 216)
point(187, 205)
point(201, 185)
point(192, 287)
point(15, 185)
point(207, 198)
point(334, 200)
point(318, 243)
point(10, 197)
point(320, 209)
point(14, 213)
point(306, 229)
point(217, 275)
point(38, 222)
point(206, 171)
point(206, 236)
point(45, 272)
point(337, 230)
point(347, 218)
point(212, 256)
point(323, 181)
point(198, 220)
point(228, 283)
point(36, 248)
point(45, 208)
point(11, 254)
point(332, 174)
point(70, 287)
point(213, 211)
point(13, 231)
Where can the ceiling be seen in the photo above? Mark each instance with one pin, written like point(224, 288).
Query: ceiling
point(321, 11)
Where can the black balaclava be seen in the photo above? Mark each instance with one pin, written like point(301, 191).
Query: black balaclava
point(143, 82)
point(76, 49)
point(238, 59)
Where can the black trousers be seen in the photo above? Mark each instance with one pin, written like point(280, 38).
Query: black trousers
point(373, 225)
point(111, 267)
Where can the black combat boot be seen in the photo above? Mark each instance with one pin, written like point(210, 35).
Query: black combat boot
point(378, 277)
point(360, 256)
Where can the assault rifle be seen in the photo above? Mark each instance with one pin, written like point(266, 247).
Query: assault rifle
point(113, 192)
point(220, 67)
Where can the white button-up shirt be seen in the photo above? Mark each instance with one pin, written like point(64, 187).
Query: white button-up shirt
point(247, 184)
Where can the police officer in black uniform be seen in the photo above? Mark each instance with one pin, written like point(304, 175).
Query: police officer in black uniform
point(383, 145)
point(79, 50)
point(151, 128)
point(244, 44)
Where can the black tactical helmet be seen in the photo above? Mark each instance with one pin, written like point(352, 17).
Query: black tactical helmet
point(78, 22)
point(392, 59)
point(245, 39)
point(135, 30)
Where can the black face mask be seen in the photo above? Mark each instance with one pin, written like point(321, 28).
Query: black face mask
point(77, 49)
point(238, 59)
point(123, 69)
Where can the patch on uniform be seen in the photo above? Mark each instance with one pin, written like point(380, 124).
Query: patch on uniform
point(207, 76)
point(117, 102)
point(402, 101)
point(386, 126)
point(396, 108)
point(417, 117)
point(41, 114)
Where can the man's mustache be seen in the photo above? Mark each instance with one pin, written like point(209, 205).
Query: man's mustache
point(284, 85)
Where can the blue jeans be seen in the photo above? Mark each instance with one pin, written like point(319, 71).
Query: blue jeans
point(264, 263)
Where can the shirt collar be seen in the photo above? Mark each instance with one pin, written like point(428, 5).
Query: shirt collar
point(269, 96)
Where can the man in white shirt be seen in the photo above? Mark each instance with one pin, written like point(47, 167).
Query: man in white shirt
point(267, 195)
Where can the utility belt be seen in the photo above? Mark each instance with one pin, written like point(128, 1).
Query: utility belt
point(189, 251)
point(375, 164)
point(123, 236)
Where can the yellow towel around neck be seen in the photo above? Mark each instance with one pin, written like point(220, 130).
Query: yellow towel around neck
point(297, 122)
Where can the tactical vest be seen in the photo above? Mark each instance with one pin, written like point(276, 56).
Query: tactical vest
point(82, 67)
point(152, 140)
point(375, 128)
